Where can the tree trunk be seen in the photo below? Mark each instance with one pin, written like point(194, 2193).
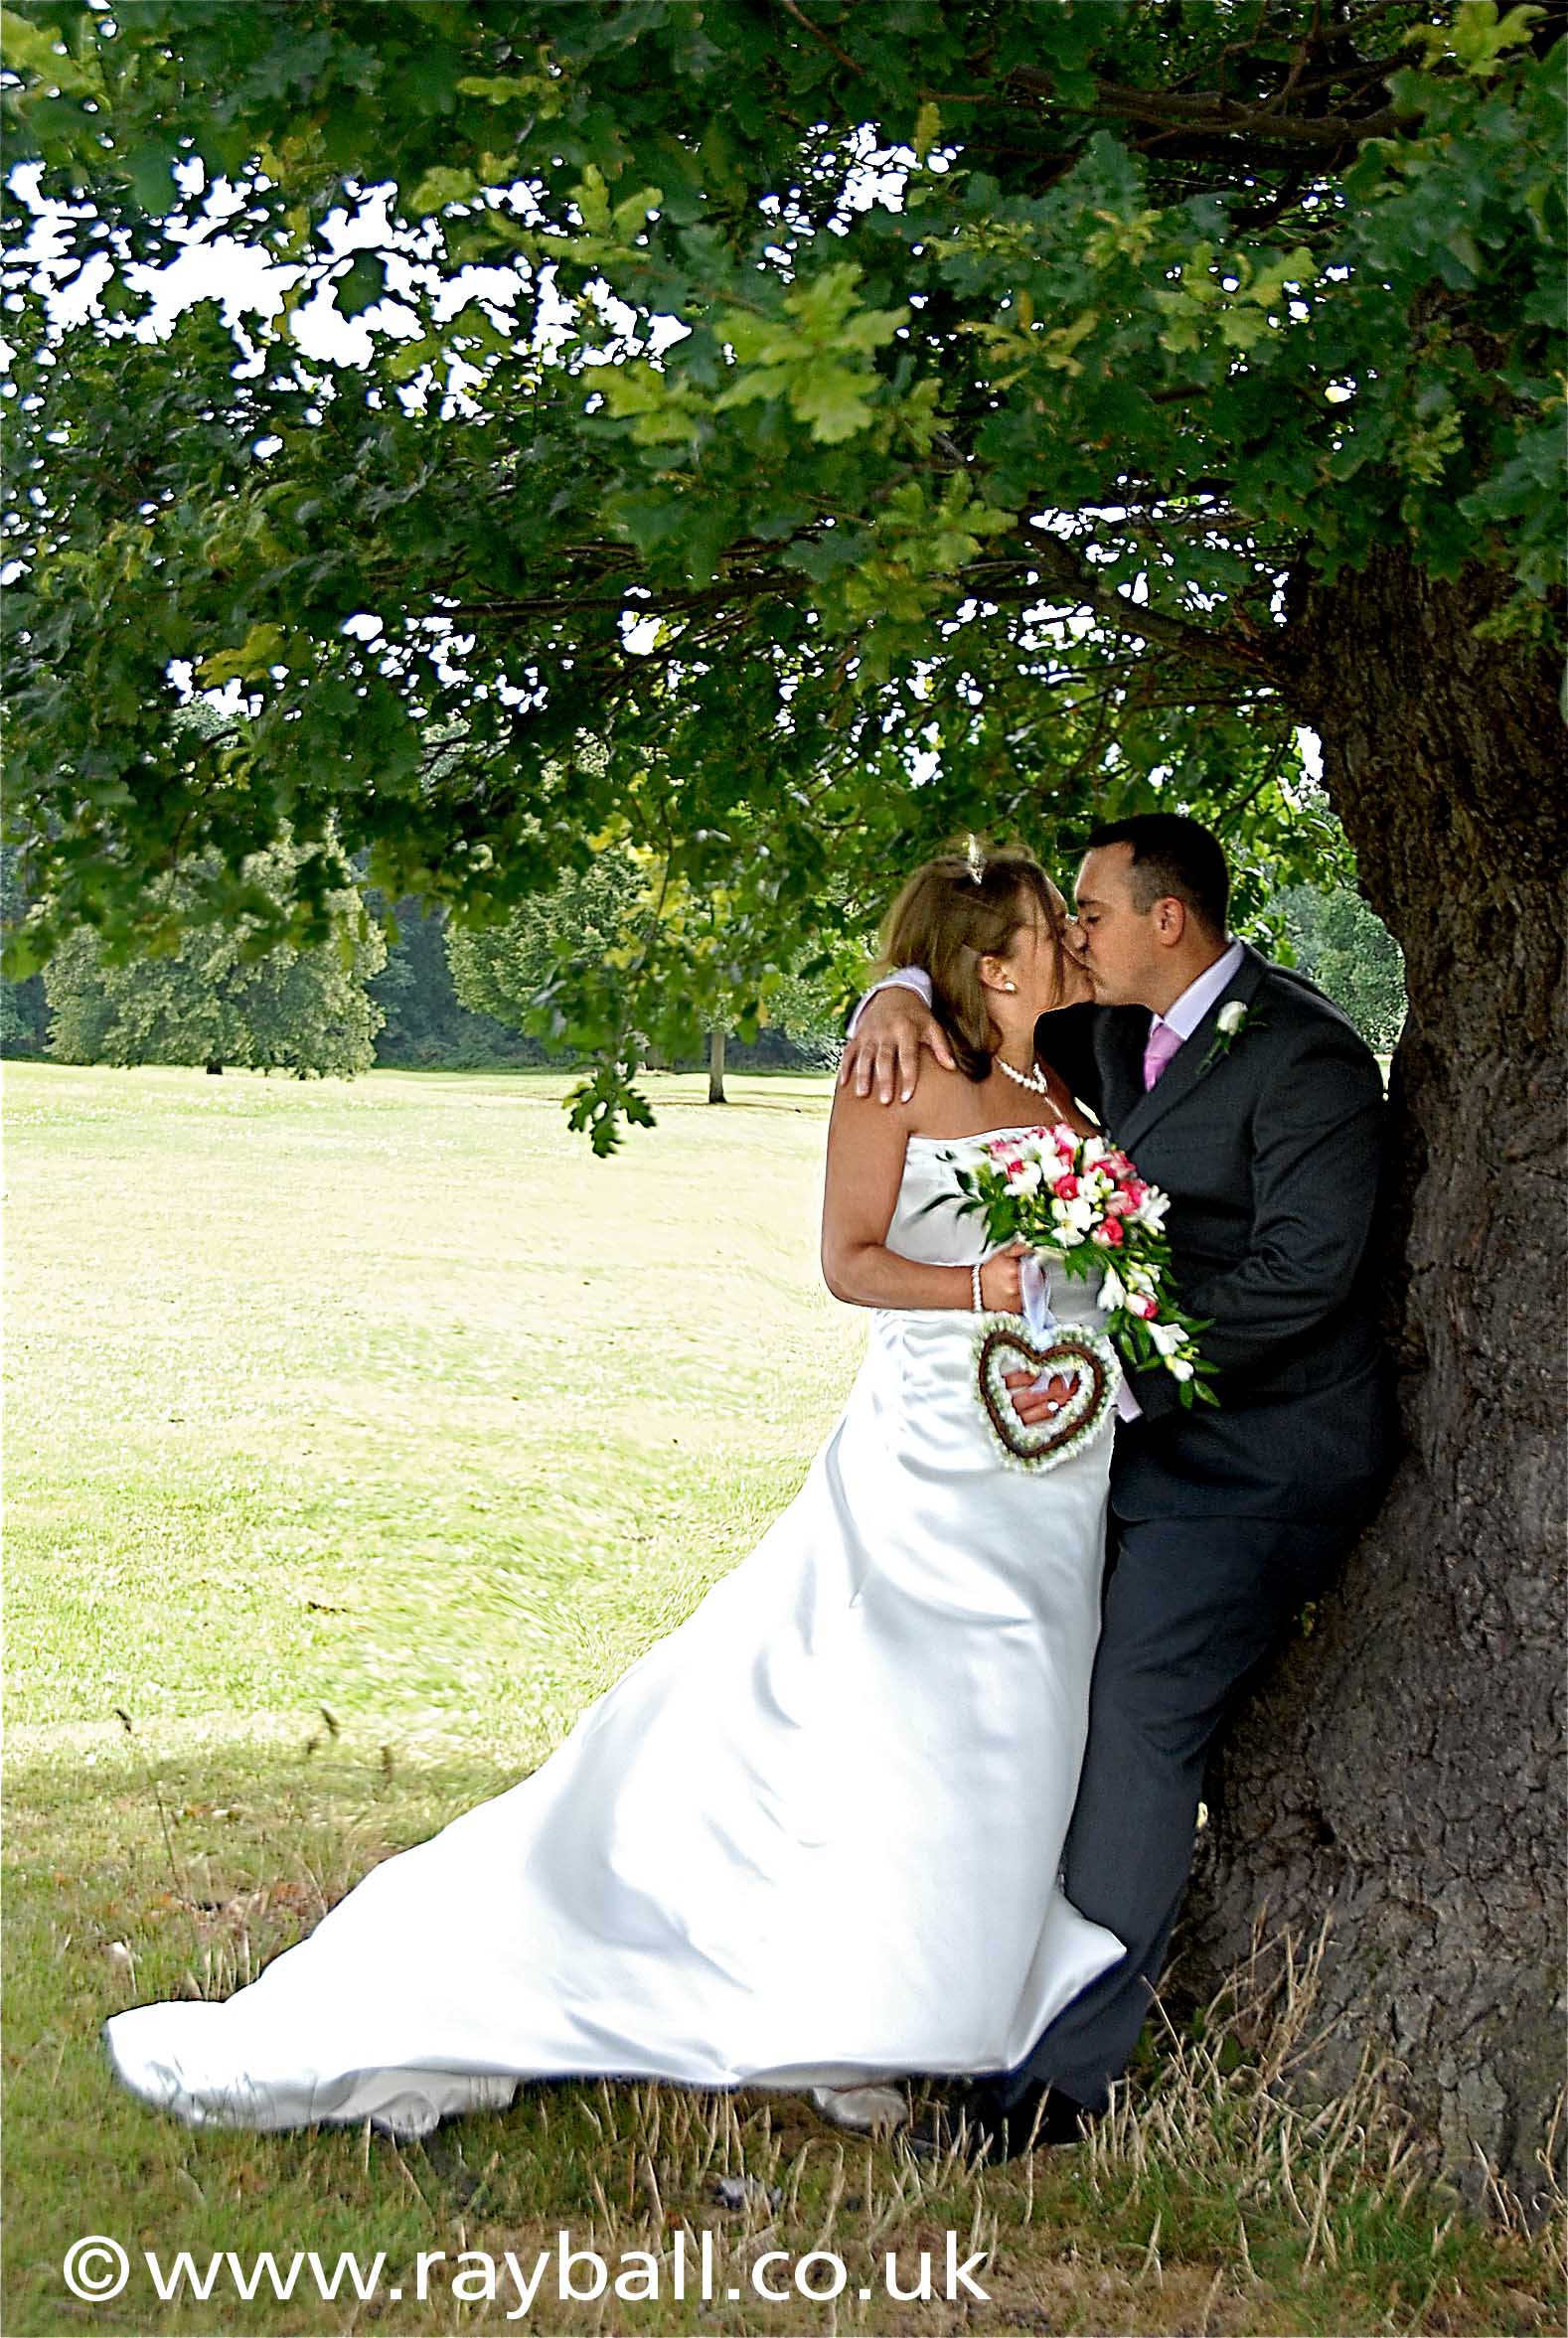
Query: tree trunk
point(715, 1065)
point(1400, 1772)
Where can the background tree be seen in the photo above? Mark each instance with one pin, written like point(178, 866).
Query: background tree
point(806, 1011)
point(894, 417)
point(213, 999)
point(1336, 940)
point(425, 1025)
point(597, 924)
point(591, 921)
point(24, 1011)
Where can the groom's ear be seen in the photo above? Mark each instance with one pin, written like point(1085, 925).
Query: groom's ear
point(1169, 919)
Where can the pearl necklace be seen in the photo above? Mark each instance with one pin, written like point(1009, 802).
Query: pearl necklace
point(1033, 1079)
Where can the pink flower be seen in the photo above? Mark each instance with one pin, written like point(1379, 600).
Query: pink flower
point(1117, 1206)
point(1117, 1163)
point(1066, 1189)
point(1147, 1308)
point(1111, 1232)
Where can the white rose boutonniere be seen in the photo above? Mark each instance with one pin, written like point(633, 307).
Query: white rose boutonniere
point(1235, 1016)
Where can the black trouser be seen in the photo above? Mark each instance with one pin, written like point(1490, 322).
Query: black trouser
point(1192, 1608)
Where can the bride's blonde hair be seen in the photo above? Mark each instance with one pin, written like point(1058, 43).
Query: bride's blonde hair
point(954, 911)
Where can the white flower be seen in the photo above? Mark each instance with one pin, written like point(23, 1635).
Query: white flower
point(1027, 1180)
point(1231, 1017)
point(1094, 1150)
point(1151, 1211)
point(1177, 1366)
point(1113, 1290)
point(1168, 1337)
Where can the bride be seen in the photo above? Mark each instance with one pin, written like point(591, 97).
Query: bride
point(811, 1840)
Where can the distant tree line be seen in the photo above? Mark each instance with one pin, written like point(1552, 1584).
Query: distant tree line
point(391, 984)
point(437, 998)
point(211, 999)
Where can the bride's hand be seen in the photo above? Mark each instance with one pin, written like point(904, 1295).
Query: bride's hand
point(1000, 1281)
point(1033, 1403)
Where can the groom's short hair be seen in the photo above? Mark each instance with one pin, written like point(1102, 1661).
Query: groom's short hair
point(1172, 855)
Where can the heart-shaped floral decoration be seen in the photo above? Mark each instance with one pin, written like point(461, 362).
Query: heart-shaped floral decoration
point(1078, 1354)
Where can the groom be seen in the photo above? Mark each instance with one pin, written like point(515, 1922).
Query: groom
point(1251, 1100)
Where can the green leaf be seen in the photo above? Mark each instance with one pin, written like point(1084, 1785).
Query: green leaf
point(927, 129)
point(591, 197)
point(364, 284)
point(1477, 39)
point(823, 557)
point(411, 357)
point(148, 169)
point(835, 402)
point(541, 93)
point(442, 186)
point(631, 214)
point(25, 49)
point(262, 649)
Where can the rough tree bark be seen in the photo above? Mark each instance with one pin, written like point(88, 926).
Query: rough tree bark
point(716, 1064)
point(1401, 1770)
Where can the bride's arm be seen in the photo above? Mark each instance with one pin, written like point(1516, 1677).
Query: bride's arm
point(865, 1162)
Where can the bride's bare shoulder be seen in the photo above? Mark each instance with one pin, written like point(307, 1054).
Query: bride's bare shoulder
point(944, 1104)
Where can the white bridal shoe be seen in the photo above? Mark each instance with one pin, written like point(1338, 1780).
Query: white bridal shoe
point(865, 2110)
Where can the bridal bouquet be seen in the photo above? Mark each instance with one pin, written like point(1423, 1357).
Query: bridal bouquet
point(1082, 1199)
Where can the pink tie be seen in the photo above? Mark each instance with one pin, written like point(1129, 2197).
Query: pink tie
point(1162, 1045)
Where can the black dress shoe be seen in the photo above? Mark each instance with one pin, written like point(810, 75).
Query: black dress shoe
point(983, 2128)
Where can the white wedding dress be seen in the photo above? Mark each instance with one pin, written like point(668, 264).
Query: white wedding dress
point(810, 1837)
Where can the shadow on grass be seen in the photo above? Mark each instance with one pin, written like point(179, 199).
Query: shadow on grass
point(1210, 2198)
point(747, 1106)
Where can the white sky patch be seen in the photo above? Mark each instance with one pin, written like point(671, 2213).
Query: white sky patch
point(638, 635)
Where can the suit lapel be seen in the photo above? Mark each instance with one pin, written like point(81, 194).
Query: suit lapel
point(1119, 1049)
point(1193, 1060)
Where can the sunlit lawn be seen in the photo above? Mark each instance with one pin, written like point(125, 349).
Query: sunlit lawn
point(388, 1396)
point(357, 1436)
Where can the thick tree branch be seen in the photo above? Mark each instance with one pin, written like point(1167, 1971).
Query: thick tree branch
point(1061, 566)
point(1212, 114)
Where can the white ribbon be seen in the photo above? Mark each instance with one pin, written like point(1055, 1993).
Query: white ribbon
point(1034, 1294)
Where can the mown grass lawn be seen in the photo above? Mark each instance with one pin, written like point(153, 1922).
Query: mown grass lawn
point(358, 1436)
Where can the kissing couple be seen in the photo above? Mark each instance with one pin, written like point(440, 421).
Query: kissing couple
point(913, 1791)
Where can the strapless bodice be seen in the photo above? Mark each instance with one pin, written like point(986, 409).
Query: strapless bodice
point(929, 1224)
point(926, 1223)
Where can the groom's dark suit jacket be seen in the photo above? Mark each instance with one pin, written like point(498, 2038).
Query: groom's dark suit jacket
point(1271, 1151)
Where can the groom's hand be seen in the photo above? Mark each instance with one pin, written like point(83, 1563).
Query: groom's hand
point(1034, 1404)
point(884, 1053)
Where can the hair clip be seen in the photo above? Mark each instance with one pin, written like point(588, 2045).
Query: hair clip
point(977, 860)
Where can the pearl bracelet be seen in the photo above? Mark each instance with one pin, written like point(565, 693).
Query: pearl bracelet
point(973, 1288)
